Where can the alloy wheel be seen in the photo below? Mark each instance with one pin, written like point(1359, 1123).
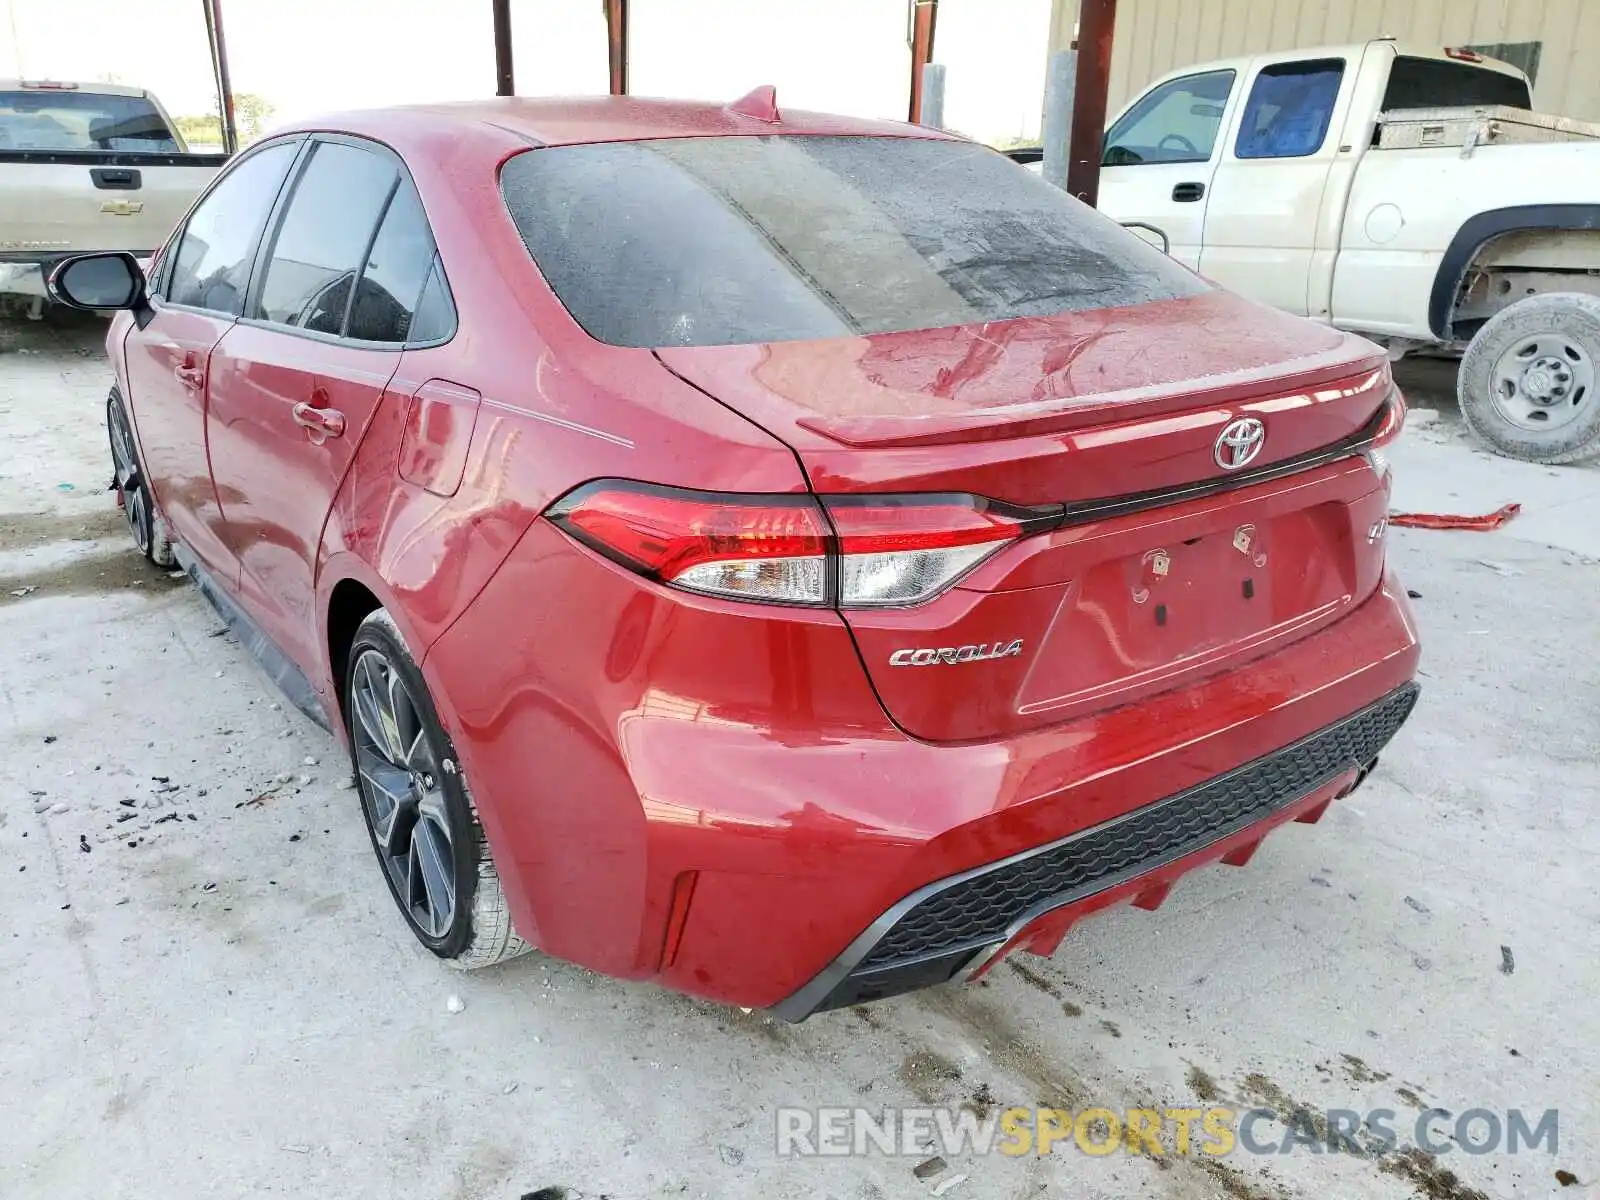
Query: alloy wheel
point(402, 790)
point(135, 508)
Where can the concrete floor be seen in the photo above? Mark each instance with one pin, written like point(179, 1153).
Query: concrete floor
point(216, 999)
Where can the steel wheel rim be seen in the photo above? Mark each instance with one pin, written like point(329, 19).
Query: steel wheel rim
point(1543, 382)
point(402, 790)
point(134, 510)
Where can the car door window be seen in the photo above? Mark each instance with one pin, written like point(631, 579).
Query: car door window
point(212, 266)
point(1174, 123)
point(1289, 109)
point(392, 279)
point(323, 237)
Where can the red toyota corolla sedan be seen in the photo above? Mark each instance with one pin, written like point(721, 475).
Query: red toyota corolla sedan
point(790, 558)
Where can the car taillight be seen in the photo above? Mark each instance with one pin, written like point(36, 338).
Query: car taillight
point(901, 550)
point(1389, 427)
point(850, 551)
point(771, 548)
point(1394, 418)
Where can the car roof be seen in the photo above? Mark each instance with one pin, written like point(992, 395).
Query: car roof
point(565, 121)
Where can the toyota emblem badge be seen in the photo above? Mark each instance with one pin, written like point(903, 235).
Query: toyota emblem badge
point(1239, 442)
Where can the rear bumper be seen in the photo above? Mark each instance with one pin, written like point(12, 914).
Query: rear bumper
point(679, 789)
point(1030, 899)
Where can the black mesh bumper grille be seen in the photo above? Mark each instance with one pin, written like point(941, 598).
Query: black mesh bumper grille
point(979, 909)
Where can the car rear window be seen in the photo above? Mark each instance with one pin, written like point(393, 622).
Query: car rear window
point(719, 241)
point(54, 120)
point(1432, 83)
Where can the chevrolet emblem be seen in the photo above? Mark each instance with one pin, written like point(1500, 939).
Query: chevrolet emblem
point(122, 208)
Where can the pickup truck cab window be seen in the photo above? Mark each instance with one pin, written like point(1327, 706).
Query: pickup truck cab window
point(212, 266)
point(87, 121)
point(1175, 123)
point(1289, 109)
point(1430, 83)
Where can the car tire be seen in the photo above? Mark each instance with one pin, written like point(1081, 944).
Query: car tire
point(1529, 383)
point(145, 526)
point(418, 807)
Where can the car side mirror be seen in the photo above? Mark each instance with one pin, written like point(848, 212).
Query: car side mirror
point(96, 282)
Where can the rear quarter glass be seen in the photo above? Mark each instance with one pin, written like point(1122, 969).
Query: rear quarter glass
point(726, 241)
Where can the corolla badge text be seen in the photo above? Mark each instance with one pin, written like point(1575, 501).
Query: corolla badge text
point(955, 654)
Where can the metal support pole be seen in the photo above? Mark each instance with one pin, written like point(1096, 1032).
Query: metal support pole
point(505, 83)
point(920, 35)
point(1096, 21)
point(1059, 86)
point(219, 69)
point(933, 95)
point(617, 45)
point(16, 38)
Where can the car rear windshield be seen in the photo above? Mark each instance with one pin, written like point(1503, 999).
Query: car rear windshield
point(731, 240)
point(59, 120)
point(1431, 83)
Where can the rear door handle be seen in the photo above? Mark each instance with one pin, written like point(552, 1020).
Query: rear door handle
point(1187, 193)
point(190, 374)
point(321, 423)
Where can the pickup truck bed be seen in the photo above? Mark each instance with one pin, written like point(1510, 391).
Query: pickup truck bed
point(1493, 125)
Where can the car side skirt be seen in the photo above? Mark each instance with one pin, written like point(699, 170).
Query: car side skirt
point(279, 667)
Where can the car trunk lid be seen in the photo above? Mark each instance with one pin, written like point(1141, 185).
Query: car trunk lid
point(1166, 561)
point(1045, 410)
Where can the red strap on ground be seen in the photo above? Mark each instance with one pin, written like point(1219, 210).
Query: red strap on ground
point(1450, 521)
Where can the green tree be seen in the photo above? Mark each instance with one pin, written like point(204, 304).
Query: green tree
point(200, 131)
point(250, 114)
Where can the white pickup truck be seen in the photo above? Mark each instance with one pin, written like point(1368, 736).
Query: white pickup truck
point(84, 167)
point(1407, 194)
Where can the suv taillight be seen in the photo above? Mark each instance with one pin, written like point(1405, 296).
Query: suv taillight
point(849, 551)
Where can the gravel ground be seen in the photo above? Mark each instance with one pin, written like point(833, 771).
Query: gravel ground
point(208, 993)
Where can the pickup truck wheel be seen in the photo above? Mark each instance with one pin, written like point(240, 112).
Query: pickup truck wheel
point(148, 530)
point(1529, 383)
